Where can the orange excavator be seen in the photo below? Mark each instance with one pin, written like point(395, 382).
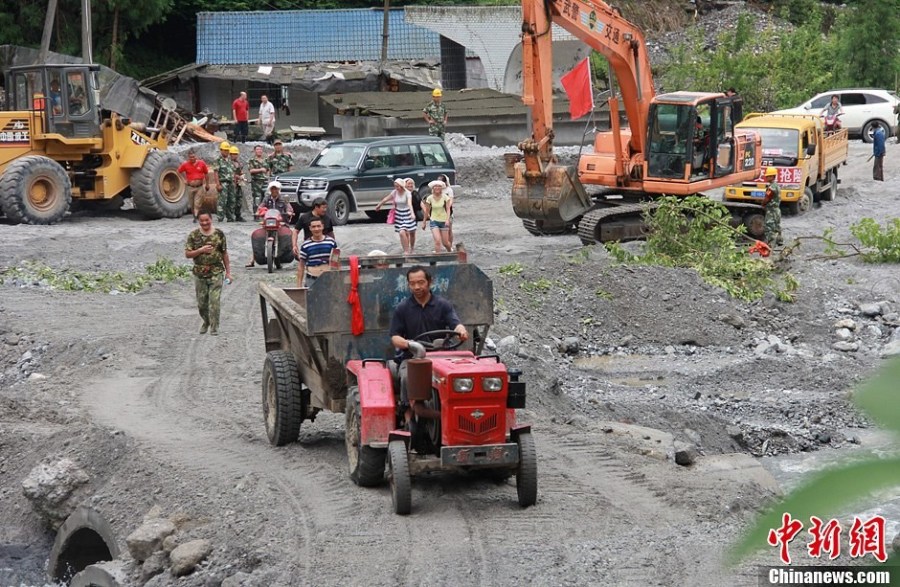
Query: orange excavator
point(680, 143)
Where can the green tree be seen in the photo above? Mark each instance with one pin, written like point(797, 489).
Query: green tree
point(867, 50)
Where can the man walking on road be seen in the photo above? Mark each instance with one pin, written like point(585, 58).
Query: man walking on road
point(195, 172)
point(772, 202)
point(207, 247)
point(224, 183)
point(240, 111)
point(266, 118)
point(259, 176)
point(436, 114)
point(878, 140)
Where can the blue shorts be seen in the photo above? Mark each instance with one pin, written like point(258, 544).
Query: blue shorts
point(436, 224)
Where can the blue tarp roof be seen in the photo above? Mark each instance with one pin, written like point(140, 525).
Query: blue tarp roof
point(306, 36)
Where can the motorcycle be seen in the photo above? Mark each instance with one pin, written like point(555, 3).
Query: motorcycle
point(832, 123)
point(271, 242)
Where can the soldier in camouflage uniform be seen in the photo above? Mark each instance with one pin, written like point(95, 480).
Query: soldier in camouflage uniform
point(207, 247)
point(237, 196)
point(279, 161)
point(436, 114)
point(224, 183)
point(259, 176)
point(772, 202)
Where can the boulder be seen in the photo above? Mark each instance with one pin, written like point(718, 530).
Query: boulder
point(570, 345)
point(148, 538)
point(154, 565)
point(847, 323)
point(51, 489)
point(847, 347)
point(508, 346)
point(843, 334)
point(187, 556)
point(891, 349)
point(871, 310)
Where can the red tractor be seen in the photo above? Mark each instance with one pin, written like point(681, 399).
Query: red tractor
point(465, 402)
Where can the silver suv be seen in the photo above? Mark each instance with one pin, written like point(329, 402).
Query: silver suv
point(862, 107)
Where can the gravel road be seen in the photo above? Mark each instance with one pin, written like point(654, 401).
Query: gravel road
point(161, 417)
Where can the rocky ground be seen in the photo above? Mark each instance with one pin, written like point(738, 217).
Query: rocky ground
point(113, 400)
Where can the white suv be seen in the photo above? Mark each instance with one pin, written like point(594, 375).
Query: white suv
point(861, 107)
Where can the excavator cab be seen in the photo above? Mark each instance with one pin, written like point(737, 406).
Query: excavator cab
point(691, 136)
point(65, 93)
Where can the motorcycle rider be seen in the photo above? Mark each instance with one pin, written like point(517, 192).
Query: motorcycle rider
point(833, 111)
point(274, 201)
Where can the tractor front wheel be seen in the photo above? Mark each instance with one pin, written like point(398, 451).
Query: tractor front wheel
point(366, 463)
point(526, 474)
point(158, 190)
point(35, 190)
point(401, 483)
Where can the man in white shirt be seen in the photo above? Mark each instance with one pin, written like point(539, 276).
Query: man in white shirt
point(266, 117)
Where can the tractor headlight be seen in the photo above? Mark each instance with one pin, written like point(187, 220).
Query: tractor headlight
point(462, 384)
point(492, 384)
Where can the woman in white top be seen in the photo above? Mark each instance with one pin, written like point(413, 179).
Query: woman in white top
point(404, 219)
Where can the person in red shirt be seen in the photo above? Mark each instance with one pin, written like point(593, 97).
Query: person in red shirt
point(195, 173)
point(240, 110)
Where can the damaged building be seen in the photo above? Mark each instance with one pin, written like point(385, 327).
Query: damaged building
point(336, 74)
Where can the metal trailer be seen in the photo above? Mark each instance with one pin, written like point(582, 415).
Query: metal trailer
point(314, 362)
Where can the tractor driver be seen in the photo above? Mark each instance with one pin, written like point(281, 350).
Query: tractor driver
point(422, 312)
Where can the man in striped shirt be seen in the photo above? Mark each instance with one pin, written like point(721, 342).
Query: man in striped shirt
point(315, 252)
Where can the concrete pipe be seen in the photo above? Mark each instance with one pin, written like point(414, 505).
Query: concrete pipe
point(418, 379)
point(84, 538)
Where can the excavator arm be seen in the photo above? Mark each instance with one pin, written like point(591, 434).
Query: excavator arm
point(602, 28)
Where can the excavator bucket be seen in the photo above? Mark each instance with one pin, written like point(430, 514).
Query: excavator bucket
point(556, 196)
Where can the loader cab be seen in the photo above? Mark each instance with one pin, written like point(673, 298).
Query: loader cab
point(64, 93)
point(691, 136)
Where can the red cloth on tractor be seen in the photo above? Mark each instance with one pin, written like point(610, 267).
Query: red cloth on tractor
point(357, 325)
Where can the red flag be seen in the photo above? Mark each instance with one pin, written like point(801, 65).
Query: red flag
point(357, 325)
point(577, 84)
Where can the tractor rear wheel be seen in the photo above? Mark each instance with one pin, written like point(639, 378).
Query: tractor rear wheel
point(282, 398)
point(526, 474)
point(366, 463)
point(401, 483)
point(158, 190)
point(35, 190)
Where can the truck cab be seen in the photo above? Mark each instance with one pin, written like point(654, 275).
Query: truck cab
point(806, 159)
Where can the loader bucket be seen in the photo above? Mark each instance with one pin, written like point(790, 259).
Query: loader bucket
point(557, 195)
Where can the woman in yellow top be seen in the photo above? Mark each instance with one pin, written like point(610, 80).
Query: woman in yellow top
point(437, 215)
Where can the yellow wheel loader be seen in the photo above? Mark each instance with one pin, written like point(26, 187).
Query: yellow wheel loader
point(58, 146)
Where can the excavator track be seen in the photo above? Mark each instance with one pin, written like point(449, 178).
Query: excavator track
point(544, 227)
point(622, 222)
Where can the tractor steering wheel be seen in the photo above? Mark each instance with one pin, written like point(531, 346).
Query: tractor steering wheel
point(450, 341)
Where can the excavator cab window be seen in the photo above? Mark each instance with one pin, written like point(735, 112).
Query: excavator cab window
point(672, 128)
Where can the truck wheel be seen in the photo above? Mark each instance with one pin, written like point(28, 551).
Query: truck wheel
point(526, 474)
point(366, 463)
point(35, 190)
point(158, 190)
point(802, 205)
point(756, 224)
point(339, 207)
point(401, 484)
point(828, 194)
point(282, 398)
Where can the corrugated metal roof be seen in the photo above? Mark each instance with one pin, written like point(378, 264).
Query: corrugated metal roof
point(307, 36)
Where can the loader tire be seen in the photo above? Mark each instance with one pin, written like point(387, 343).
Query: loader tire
point(35, 190)
point(282, 398)
point(158, 190)
point(366, 463)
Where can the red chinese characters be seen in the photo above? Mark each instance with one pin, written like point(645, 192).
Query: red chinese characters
point(868, 538)
point(782, 536)
point(865, 536)
point(825, 537)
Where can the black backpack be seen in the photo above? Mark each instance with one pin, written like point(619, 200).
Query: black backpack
point(417, 205)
